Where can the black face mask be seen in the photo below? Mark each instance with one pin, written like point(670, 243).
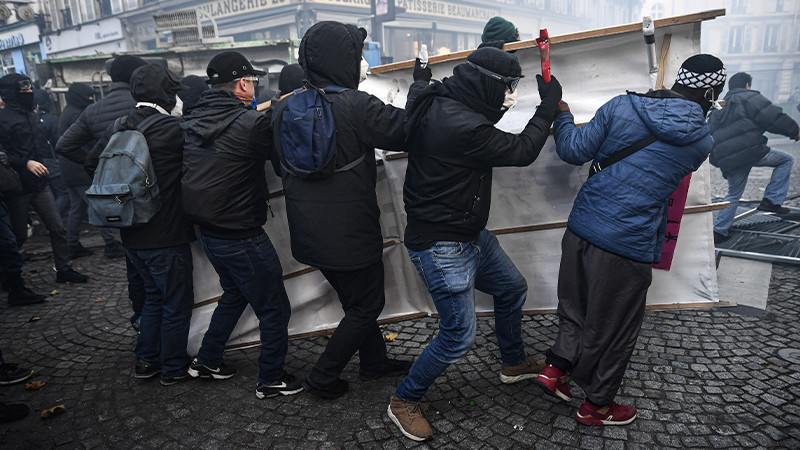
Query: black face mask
point(25, 101)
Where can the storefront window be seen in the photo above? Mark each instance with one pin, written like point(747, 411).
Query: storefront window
point(32, 58)
point(403, 43)
point(7, 63)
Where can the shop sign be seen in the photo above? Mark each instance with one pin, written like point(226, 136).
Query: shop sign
point(227, 8)
point(28, 34)
point(14, 40)
point(427, 7)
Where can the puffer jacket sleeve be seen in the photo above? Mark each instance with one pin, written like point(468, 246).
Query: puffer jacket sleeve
point(71, 143)
point(579, 145)
point(93, 155)
point(770, 117)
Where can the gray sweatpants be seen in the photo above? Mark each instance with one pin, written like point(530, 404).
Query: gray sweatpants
point(601, 300)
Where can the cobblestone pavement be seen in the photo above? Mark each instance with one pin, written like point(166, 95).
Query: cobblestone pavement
point(699, 378)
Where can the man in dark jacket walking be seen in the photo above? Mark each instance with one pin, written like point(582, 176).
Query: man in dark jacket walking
point(453, 146)
point(87, 129)
point(334, 221)
point(159, 250)
point(79, 96)
point(225, 192)
point(740, 145)
point(24, 143)
point(616, 229)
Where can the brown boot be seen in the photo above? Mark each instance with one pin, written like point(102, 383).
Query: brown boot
point(408, 417)
point(529, 368)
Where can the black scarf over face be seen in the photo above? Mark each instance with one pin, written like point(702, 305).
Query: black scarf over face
point(478, 92)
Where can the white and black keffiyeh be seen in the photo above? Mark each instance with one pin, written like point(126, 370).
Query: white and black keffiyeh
point(697, 80)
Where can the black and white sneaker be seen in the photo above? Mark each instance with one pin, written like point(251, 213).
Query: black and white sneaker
point(287, 385)
point(221, 372)
point(11, 373)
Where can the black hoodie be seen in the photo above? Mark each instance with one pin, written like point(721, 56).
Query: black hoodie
point(79, 96)
point(153, 83)
point(334, 222)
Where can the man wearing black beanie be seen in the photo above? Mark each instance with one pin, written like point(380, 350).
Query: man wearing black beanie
point(616, 228)
point(453, 145)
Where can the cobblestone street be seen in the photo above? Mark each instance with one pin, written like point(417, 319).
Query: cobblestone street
point(719, 377)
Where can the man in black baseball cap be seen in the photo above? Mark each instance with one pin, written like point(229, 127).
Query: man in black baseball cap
point(233, 72)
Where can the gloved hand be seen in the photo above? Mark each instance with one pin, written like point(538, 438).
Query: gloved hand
point(421, 74)
point(3, 158)
point(561, 107)
point(550, 94)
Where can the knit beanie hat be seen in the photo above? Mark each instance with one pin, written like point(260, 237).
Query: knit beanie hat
point(701, 71)
point(499, 29)
point(123, 66)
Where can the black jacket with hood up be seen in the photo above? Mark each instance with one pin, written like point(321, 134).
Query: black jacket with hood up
point(225, 149)
point(335, 222)
point(22, 139)
point(79, 96)
point(453, 146)
point(169, 227)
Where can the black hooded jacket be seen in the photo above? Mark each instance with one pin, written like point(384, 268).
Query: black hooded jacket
point(334, 222)
point(453, 145)
point(169, 227)
point(224, 183)
point(22, 139)
point(79, 96)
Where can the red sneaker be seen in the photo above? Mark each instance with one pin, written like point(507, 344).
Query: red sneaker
point(554, 382)
point(613, 414)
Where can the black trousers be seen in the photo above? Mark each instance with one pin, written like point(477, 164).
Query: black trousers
point(362, 297)
point(601, 301)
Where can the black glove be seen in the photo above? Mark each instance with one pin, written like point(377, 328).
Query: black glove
point(550, 93)
point(420, 73)
point(3, 158)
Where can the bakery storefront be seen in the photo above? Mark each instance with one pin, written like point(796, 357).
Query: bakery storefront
point(20, 49)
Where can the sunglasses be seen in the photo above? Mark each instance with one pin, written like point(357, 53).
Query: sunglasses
point(24, 85)
point(252, 79)
point(510, 82)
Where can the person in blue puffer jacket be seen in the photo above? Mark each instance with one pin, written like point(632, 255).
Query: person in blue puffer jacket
point(616, 227)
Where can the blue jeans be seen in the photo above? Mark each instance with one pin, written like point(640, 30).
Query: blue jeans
point(167, 309)
point(250, 273)
point(452, 271)
point(775, 191)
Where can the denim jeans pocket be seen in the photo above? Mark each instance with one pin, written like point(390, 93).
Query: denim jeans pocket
point(417, 261)
point(449, 249)
point(237, 264)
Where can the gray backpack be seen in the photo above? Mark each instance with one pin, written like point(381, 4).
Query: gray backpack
point(124, 192)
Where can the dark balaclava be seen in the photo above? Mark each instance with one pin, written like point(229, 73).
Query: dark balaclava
point(291, 78)
point(80, 95)
point(196, 86)
point(123, 66)
point(10, 92)
point(153, 83)
point(479, 91)
point(330, 54)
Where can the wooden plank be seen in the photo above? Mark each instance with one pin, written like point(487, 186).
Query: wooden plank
point(662, 60)
point(581, 35)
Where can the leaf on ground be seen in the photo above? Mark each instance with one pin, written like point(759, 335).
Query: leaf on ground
point(390, 337)
point(54, 292)
point(48, 413)
point(99, 299)
point(34, 319)
point(34, 385)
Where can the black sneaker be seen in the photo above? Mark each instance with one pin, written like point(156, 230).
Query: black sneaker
point(146, 370)
point(113, 251)
point(768, 206)
point(391, 368)
point(221, 372)
point(79, 252)
point(287, 385)
point(183, 375)
point(11, 373)
point(23, 296)
point(331, 392)
point(12, 412)
point(69, 275)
